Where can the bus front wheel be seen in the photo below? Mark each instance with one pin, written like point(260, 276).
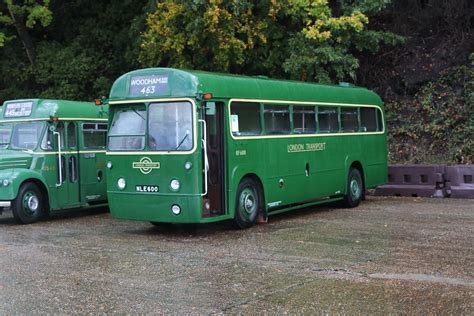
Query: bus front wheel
point(355, 188)
point(28, 206)
point(247, 204)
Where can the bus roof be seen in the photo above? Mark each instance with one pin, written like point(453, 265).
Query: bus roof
point(26, 109)
point(171, 83)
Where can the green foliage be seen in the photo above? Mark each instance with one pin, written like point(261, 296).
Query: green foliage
point(29, 11)
point(85, 47)
point(298, 39)
point(202, 34)
point(65, 72)
point(438, 125)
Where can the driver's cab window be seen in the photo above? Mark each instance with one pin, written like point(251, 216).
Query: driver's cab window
point(50, 139)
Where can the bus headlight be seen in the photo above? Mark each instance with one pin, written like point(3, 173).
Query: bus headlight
point(176, 209)
point(109, 164)
point(188, 165)
point(175, 185)
point(121, 183)
point(5, 183)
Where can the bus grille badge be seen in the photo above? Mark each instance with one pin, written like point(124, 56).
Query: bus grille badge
point(146, 165)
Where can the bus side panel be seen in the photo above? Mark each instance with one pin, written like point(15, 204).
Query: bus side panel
point(375, 160)
point(287, 182)
point(244, 157)
point(92, 177)
point(330, 171)
point(49, 170)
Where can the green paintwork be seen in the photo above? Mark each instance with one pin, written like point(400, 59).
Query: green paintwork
point(44, 108)
point(40, 166)
point(223, 86)
point(285, 183)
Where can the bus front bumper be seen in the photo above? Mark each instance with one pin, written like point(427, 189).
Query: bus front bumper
point(5, 204)
point(155, 207)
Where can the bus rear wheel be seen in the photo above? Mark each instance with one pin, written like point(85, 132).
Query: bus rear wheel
point(28, 206)
point(247, 204)
point(355, 188)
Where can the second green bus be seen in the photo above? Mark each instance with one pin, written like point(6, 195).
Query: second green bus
point(199, 147)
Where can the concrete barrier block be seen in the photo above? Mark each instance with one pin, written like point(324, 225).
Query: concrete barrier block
point(460, 181)
point(414, 180)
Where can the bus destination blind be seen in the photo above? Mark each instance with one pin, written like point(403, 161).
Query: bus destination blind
point(18, 109)
point(152, 85)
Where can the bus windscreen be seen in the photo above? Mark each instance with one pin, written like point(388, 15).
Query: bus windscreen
point(5, 133)
point(170, 126)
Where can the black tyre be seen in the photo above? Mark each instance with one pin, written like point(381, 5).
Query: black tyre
point(355, 188)
point(28, 207)
point(247, 204)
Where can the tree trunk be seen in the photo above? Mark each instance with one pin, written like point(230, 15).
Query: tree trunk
point(25, 38)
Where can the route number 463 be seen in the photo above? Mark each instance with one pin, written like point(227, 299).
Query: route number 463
point(148, 90)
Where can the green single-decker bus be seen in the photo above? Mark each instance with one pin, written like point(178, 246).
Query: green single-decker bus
point(52, 157)
point(199, 147)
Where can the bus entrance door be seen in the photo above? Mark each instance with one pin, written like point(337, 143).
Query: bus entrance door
point(68, 179)
point(214, 117)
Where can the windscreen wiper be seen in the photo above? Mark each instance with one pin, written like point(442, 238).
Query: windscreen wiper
point(138, 113)
point(182, 141)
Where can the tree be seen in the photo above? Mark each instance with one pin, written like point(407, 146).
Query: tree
point(24, 15)
point(297, 39)
point(210, 35)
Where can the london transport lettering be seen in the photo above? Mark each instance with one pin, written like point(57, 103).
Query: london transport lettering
point(294, 148)
point(148, 85)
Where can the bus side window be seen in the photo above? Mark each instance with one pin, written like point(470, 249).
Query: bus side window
point(277, 119)
point(368, 119)
point(245, 118)
point(379, 121)
point(349, 122)
point(94, 135)
point(71, 135)
point(60, 130)
point(328, 119)
point(304, 120)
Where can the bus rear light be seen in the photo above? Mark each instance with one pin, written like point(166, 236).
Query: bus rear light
point(176, 209)
point(54, 118)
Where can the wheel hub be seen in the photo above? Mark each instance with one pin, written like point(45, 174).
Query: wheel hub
point(30, 202)
point(33, 203)
point(355, 188)
point(248, 201)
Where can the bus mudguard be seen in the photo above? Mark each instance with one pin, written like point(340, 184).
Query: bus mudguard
point(16, 178)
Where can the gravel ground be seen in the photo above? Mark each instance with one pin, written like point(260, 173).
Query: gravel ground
point(389, 255)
